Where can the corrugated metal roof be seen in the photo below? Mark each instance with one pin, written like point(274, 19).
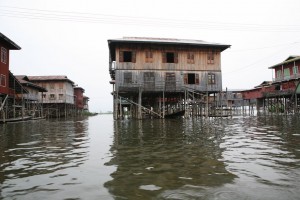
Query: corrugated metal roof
point(15, 85)
point(288, 60)
point(11, 45)
point(78, 88)
point(172, 41)
point(25, 81)
point(50, 78)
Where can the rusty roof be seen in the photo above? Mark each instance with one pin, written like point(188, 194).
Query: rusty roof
point(168, 41)
point(286, 61)
point(79, 88)
point(49, 78)
point(25, 82)
point(11, 45)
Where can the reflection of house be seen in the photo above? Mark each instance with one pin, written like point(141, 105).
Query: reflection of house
point(59, 98)
point(148, 72)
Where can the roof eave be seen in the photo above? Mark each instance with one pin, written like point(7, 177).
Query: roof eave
point(178, 43)
point(10, 43)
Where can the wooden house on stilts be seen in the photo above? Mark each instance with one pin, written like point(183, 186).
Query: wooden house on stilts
point(163, 77)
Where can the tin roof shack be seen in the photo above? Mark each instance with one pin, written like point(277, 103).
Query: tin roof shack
point(78, 98)
point(255, 98)
point(154, 76)
point(58, 101)
point(31, 99)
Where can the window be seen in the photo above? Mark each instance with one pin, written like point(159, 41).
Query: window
point(170, 57)
point(278, 74)
point(211, 79)
point(149, 57)
point(210, 57)
point(295, 70)
point(286, 72)
point(127, 56)
point(3, 55)
point(191, 78)
point(51, 85)
point(61, 86)
point(44, 96)
point(52, 97)
point(2, 80)
point(60, 96)
point(127, 77)
point(190, 58)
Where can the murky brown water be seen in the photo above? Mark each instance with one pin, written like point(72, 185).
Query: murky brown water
point(97, 158)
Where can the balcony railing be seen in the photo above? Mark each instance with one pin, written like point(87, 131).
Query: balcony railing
point(286, 78)
point(176, 86)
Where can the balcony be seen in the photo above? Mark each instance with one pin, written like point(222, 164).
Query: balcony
point(286, 78)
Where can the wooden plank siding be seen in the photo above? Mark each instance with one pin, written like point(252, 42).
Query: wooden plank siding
point(200, 57)
point(181, 66)
point(160, 78)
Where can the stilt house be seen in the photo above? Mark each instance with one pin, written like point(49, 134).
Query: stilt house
point(59, 98)
point(281, 95)
point(78, 99)
point(159, 77)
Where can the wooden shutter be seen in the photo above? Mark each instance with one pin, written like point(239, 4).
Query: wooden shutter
point(185, 78)
point(164, 57)
point(133, 56)
point(208, 56)
point(175, 57)
point(197, 79)
point(121, 56)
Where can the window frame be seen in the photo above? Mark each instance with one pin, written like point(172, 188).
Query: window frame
point(165, 57)
point(2, 80)
point(190, 58)
point(3, 55)
point(127, 77)
point(187, 81)
point(148, 56)
point(295, 70)
point(52, 97)
point(132, 59)
point(211, 79)
point(60, 96)
point(210, 57)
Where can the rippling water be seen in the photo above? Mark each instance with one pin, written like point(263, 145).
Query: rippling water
point(99, 158)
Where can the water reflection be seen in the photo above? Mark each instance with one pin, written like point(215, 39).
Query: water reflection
point(98, 158)
point(167, 158)
point(30, 150)
point(264, 153)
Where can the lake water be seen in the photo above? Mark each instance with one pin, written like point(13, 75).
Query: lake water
point(99, 158)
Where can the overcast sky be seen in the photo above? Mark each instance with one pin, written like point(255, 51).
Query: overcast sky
point(69, 37)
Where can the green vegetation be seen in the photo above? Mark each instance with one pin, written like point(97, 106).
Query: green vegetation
point(87, 113)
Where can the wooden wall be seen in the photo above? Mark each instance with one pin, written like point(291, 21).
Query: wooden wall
point(200, 57)
point(57, 87)
point(139, 66)
point(4, 70)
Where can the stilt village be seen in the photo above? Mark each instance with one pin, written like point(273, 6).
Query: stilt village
point(164, 78)
point(24, 97)
point(151, 78)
